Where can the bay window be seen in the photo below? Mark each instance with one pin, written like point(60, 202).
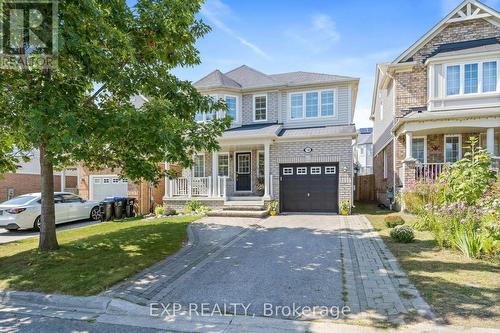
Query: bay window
point(471, 78)
point(312, 104)
point(489, 76)
point(231, 107)
point(453, 80)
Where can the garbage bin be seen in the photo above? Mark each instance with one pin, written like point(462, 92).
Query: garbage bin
point(129, 207)
point(107, 209)
point(119, 207)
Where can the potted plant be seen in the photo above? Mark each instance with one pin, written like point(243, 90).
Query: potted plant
point(345, 207)
point(273, 207)
point(260, 186)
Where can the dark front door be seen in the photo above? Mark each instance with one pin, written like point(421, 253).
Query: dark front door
point(243, 172)
point(309, 187)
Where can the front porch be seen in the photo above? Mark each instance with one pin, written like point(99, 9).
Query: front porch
point(217, 177)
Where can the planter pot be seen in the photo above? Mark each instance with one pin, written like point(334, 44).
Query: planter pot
point(344, 212)
point(273, 213)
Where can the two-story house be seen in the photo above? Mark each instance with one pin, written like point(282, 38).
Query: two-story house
point(290, 140)
point(363, 152)
point(435, 95)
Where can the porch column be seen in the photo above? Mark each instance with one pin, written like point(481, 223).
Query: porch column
point(409, 141)
point(215, 173)
point(63, 179)
point(267, 177)
point(168, 190)
point(490, 141)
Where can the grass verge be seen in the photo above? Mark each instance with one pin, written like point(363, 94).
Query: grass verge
point(91, 259)
point(461, 291)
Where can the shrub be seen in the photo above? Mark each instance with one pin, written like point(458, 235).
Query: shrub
point(402, 234)
point(273, 206)
point(160, 211)
point(393, 220)
point(415, 197)
point(196, 207)
point(469, 243)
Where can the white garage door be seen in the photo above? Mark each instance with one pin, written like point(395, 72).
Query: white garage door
point(107, 186)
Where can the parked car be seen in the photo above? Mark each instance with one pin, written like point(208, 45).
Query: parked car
point(23, 212)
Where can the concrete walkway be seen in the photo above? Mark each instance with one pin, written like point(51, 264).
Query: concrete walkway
point(310, 262)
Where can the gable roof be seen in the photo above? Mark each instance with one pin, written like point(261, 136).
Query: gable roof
point(467, 10)
point(245, 77)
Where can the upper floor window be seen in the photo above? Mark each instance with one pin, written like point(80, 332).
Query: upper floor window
point(231, 107)
point(260, 107)
point(471, 78)
point(206, 116)
point(312, 104)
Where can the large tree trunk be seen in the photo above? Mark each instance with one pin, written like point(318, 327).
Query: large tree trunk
point(48, 239)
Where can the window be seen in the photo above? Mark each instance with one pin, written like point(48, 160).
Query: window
point(260, 164)
point(296, 101)
point(385, 165)
point(327, 108)
point(489, 76)
point(200, 116)
point(287, 171)
point(315, 103)
point(97, 180)
point(330, 170)
point(453, 80)
point(124, 181)
point(71, 198)
point(471, 78)
point(418, 149)
point(199, 166)
point(301, 171)
point(315, 170)
point(311, 104)
point(453, 148)
point(223, 165)
point(105, 181)
point(115, 180)
point(260, 108)
point(231, 107)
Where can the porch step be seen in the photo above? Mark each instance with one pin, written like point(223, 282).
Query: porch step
point(244, 203)
point(254, 207)
point(245, 198)
point(238, 213)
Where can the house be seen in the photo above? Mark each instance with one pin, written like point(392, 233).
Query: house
point(27, 179)
point(290, 140)
point(435, 95)
point(363, 152)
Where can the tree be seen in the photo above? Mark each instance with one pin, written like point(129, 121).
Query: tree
point(126, 52)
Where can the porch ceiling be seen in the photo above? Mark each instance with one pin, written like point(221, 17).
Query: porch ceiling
point(240, 147)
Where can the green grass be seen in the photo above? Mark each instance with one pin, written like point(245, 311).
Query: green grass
point(91, 259)
point(461, 291)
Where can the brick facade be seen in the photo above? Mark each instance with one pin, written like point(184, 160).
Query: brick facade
point(382, 183)
point(29, 183)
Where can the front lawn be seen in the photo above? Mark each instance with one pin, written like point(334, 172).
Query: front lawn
point(462, 291)
point(91, 259)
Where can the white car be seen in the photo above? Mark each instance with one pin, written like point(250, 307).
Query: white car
point(23, 212)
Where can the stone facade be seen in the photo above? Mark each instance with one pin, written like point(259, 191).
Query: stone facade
point(322, 151)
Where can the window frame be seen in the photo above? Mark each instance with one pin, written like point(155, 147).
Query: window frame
point(235, 120)
point(285, 173)
point(303, 171)
point(333, 172)
point(480, 89)
point(385, 164)
point(318, 172)
point(459, 136)
point(259, 153)
point(254, 98)
point(216, 97)
point(106, 181)
point(204, 165)
point(425, 146)
point(228, 164)
point(304, 103)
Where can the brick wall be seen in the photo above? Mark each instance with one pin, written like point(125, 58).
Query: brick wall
point(323, 151)
point(382, 183)
point(29, 183)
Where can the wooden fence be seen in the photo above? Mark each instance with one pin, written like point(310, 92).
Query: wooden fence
point(365, 188)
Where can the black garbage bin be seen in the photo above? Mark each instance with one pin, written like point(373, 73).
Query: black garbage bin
point(129, 207)
point(119, 207)
point(107, 209)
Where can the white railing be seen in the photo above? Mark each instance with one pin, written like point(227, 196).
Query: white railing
point(191, 187)
point(429, 171)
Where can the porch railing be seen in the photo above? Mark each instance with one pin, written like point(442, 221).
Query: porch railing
point(221, 187)
point(191, 187)
point(429, 171)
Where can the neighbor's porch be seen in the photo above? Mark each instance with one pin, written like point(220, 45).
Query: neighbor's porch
point(233, 171)
point(428, 151)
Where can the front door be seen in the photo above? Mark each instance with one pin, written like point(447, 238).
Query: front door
point(243, 172)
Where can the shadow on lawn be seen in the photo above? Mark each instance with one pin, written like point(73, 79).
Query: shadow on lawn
point(91, 265)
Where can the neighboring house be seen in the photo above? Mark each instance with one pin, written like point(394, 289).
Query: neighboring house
point(363, 151)
point(435, 95)
point(290, 140)
point(27, 179)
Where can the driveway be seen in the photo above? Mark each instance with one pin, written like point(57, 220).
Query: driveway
point(11, 236)
point(315, 264)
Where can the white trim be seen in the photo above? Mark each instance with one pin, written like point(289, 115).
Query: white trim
point(254, 114)
point(330, 170)
point(236, 170)
point(317, 172)
point(235, 120)
point(301, 171)
point(459, 136)
point(258, 169)
point(462, 94)
point(219, 154)
point(425, 145)
point(320, 116)
point(288, 171)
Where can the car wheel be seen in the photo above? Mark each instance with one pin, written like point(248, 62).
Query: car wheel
point(37, 223)
point(95, 214)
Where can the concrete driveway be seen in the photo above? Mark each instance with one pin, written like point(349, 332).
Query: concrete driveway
point(313, 264)
point(11, 236)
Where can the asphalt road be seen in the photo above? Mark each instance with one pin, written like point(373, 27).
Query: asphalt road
point(10, 323)
point(11, 236)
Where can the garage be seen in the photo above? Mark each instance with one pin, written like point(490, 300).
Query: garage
point(311, 187)
point(107, 186)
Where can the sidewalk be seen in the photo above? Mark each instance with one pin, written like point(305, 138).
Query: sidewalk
point(120, 312)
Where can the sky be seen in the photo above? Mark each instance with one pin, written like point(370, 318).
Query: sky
point(343, 37)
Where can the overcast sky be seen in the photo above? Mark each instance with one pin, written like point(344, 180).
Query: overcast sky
point(347, 37)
